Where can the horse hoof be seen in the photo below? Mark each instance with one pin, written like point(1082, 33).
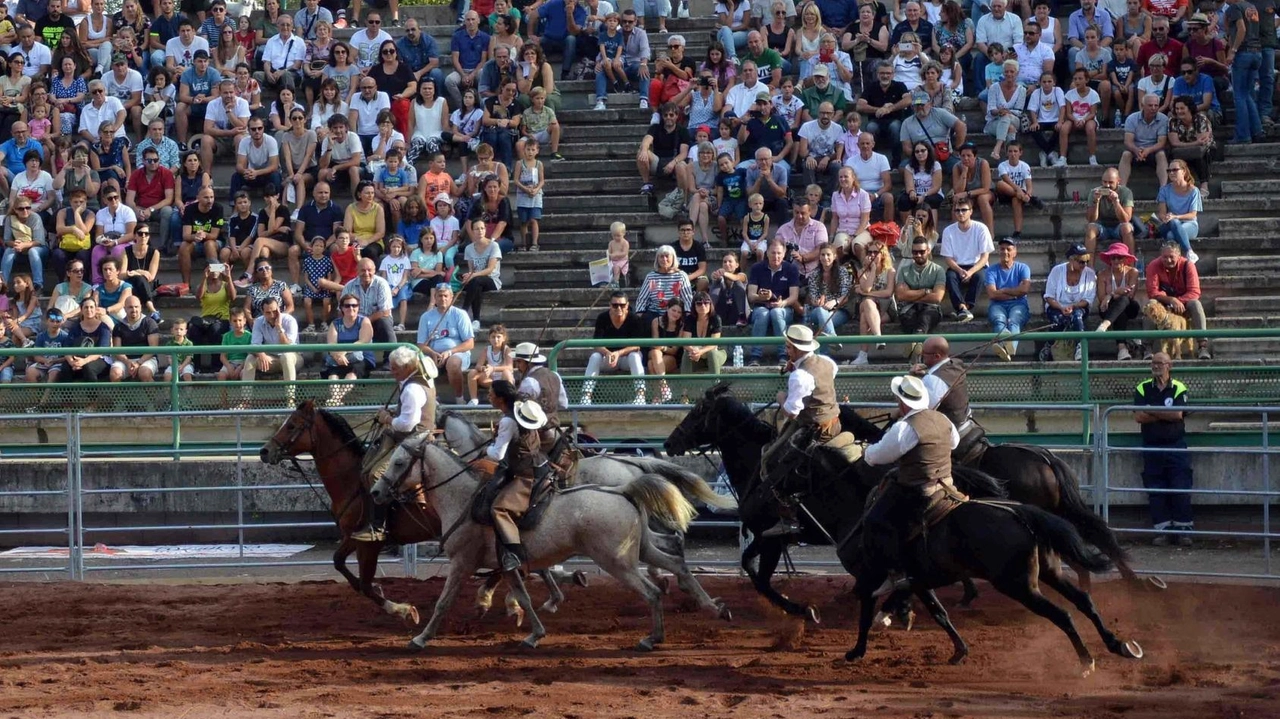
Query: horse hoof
point(519, 615)
point(665, 585)
point(958, 657)
point(1154, 582)
point(724, 612)
point(1086, 668)
point(549, 607)
point(411, 615)
point(646, 644)
point(881, 621)
point(415, 646)
point(812, 612)
point(530, 642)
point(1131, 650)
point(580, 578)
point(854, 655)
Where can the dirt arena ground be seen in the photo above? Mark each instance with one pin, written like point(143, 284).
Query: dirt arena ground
point(315, 649)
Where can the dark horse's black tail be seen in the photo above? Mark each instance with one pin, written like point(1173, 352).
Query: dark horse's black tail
point(1072, 507)
point(1054, 532)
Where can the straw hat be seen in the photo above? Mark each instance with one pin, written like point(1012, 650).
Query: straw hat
point(529, 352)
point(529, 415)
point(911, 391)
point(801, 337)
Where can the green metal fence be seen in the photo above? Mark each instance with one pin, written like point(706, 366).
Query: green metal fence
point(989, 380)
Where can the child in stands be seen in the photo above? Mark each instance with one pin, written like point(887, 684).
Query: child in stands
point(619, 254)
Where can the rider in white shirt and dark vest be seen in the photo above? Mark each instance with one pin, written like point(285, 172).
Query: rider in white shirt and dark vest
point(543, 385)
point(921, 443)
point(517, 447)
point(810, 404)
point(414, 415)
point(944, 378)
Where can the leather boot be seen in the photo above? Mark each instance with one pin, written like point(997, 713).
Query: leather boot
point(376, 529)
point(787, 524)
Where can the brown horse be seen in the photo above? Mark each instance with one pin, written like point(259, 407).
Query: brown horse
point(338, 454)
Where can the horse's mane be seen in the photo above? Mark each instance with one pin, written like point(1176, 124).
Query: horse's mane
point(339, 426)
point(738, 417)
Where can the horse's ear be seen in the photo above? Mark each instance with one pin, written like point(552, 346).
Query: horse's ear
point(307, 407)
point(719, 388)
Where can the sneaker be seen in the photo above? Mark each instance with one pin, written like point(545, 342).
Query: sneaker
point(340, 23)
point(1118, 121)
point(1160, 540)
point(644, 103)
point(28, 343)
point(1001, 350)
point(755, 361)
point(683, 12)
point(1053, 157)
point(395, 22)
point(639, 398)
point(913, 349)
point(664, 394)
point(862, 358)
point(295, 289)
point(585, 400)
point(1122, 354)
point(1060, 162)
point(557, 157)
point(1184, 540)
point(965, 316)
point(880, 345)
point(475, 325)
point(1079, 352)
point(155, 316)
point(1044, 160)
point(1204, 352)
point(600, 105)
point(398, 328)
point(1193, 257)
point(309, 328)
point(1036, 202)
point(473, 402)
point(1045, 354)
point(245, 280)
point(1093, 160)
point(646, 188)
point(322, 327)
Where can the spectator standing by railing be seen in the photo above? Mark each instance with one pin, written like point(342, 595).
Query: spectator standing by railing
point(1165, 429)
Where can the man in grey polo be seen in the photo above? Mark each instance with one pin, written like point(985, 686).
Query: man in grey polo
point(934, 126)
point(1146, 136)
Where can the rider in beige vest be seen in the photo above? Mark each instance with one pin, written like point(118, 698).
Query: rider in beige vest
point(544, 386)
point(944, 378)
point(921, 444)
point(810, 405)
point(414, 415)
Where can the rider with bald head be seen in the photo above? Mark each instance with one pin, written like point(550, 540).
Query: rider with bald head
point(543, 385)
point(944, 377)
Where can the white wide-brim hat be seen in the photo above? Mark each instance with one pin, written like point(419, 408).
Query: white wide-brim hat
point(529, 414)
point(801, 337)
point(529, 352)
point(911, 391)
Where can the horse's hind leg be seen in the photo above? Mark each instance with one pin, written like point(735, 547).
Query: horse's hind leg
point(656, 557)
point(970, 593)
point(1082, 601)
point(344, 550)
point(484, 595)
point(552, 605)
point(1023, 590)
point(537, 631)
point(770, 552)
point(939, 615)
point(627, 571)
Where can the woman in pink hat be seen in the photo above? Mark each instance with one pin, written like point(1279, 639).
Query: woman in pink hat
point(1117, 301)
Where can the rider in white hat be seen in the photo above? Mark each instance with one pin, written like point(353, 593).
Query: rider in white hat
point(810, 404)
point(921, 444)
point(516, 445)
point(543, 385)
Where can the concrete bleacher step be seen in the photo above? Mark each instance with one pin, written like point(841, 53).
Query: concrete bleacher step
point(1269, 187)
point(1241, 265)
point(1244, 225)
point(1247, 305)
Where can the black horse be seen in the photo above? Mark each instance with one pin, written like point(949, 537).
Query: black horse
point(1034, 476)
point(1013, 546)
point(830, 507)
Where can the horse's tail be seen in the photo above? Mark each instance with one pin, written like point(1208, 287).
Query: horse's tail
point(694, 488)
point(1072, 507)
point(661, 499)
point(978, 484)
point(1056, 533)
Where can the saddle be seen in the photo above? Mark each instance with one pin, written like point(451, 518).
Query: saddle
point(544, 490)
point(844, 447)
point(941, 499)
point(973, 444)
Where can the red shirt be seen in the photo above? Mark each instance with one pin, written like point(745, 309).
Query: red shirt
point(347, 263)
point(1182, 282)
point(1165, 8)
point(1172, 52)
point(149, 193)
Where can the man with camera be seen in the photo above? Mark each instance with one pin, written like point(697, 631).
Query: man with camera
point(1110, 213)
point(761, 129)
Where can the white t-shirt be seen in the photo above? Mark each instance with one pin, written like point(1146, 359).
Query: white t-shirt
point(367, 49)
point(38, 55)
point(1147, 84)
point(342, 151)
point(259, 156)
point(394, 268)
point(123, 90)
point(1048, 105)
point(35, 190)
point(367, 112)
point(184, 55)
point(965, 247)
point(822, 143)
point(116, 223)
point(1080, 105)
point(91, 118)
point(1018, 174)
point(446, 230)
point(868, 172)
point(217, 112)
point(1031, 61)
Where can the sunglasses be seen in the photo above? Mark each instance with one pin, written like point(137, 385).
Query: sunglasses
point(76, 271)
point(152, 160)
point(707, 302)
point(111, 198)
point(388, 51)
point(264, 268)
point(97, 92)
point(958, 210)
point(919, 252)
point(618, 305)
point(24, 209)
point(373, 22)
point(142, 234)
point(350, 307)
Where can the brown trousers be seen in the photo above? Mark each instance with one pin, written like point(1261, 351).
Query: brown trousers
point(509, 506)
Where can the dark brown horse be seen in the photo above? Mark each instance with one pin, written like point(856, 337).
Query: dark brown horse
point(338, 454)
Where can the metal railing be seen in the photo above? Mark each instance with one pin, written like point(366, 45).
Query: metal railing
point(66, 495)
point(1265, 495)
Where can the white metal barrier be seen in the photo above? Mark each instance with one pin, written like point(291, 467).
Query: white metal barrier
point(1265, 494)
point(61, 534)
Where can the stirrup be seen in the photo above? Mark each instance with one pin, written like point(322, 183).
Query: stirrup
point(509, 559)
point(370, 533)
point(783, 528)
point(891, 585)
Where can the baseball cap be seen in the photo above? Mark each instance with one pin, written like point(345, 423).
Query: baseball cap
point(444, 197)
point(201, 54)
point(119, 59)
point(1077, 250)
point(821, 70)
point(703, 128)
point(54, 314)
point(1011, 241)
point(763, 96)
point(919, 98)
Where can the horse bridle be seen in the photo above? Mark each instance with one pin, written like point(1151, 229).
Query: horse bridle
point(308, 427)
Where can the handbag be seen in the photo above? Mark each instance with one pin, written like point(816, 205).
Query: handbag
point(941, 150)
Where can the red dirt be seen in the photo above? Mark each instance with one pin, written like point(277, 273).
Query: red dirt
point(316, 649)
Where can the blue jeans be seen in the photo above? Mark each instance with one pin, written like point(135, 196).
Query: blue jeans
point(569, 46)
point(238, 183)
point(632, 69)
point(500, 139)
point(887, 133)
point(732, 41)
point(961, 295)
point(1063, 322)
point(826, 320)
point(1266, 82)
point(766, 322)
point(980, 62)
point(1180, 231)
point(1007, 317)
point(36, 256)
point(1244, 75)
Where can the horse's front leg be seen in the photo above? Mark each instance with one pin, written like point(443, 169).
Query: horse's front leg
point(770, 552)
point(367, 556)
point(459, 569)
point(537, 631)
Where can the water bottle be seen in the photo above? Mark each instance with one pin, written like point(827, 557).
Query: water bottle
point(737, 355)
point(1142, 266)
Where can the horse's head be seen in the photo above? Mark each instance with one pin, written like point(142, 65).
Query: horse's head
point(295, 436)
point(460, 433)
point(397, 478)
point(697, 428)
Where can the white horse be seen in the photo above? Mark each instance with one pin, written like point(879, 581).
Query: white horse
point(467, 440)
point(607, 524)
